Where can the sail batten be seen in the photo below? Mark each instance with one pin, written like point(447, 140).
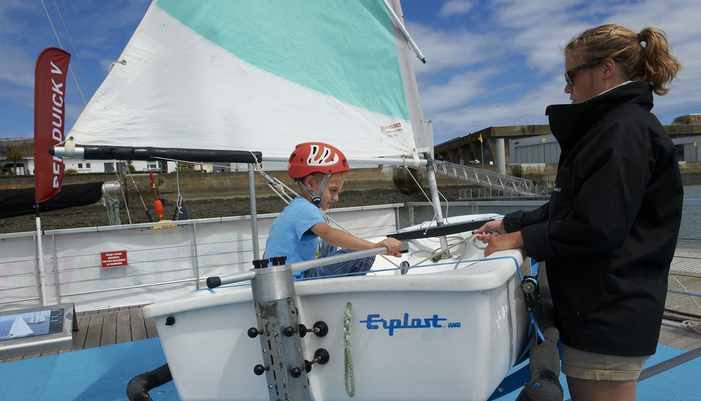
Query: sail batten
point(258, 76)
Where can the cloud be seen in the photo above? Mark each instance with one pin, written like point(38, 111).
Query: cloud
point(446, 48)
point(537, 31)
point(455, 7)
point(18, 67)
point(526, 109)
point(457, 91)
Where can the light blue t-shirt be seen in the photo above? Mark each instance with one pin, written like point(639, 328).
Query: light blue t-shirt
point(291, 235)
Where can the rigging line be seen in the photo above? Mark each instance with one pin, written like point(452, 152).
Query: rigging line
point(447, 204)
point(124, 197)
point(51, 22)
point(70, 42)
point(435, 216)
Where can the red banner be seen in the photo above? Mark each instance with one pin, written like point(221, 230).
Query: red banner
point(49, 121)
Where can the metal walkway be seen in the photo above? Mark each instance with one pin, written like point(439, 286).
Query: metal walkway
point(506, 184)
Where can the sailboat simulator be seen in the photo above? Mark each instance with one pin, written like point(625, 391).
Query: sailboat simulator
point(243, 82)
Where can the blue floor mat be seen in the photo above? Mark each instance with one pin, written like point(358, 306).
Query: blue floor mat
point(102, 374)
point(96, 374)
point(682, 383)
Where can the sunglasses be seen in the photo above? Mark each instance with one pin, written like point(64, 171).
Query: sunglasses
point(571, 73)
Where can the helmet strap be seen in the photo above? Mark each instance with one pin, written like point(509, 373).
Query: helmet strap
point(316, 197)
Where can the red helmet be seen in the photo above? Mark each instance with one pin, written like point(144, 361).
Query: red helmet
point(316, 157)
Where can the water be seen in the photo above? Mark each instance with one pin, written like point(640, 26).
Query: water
point(691, 215)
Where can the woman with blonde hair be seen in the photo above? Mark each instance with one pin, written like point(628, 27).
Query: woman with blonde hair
point(609, 230)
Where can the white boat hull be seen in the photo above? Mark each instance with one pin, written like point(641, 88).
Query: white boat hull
point(476, 328)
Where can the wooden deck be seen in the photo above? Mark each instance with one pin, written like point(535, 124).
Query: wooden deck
point(106, 327)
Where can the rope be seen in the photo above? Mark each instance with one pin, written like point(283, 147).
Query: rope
point(348, 357)
point(51, 22)
point(692, 325)
point(121, 189)
point(70, 41)
point(179, 198)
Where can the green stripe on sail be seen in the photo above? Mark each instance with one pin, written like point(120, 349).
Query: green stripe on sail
point(342, 48)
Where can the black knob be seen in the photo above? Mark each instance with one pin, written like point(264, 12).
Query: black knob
point(259, 369)
point(253, 332)
point(321, 329)
point(213, 282)
point(321, 356)
point(170, 320)
point(307, 366)
point(288, 331)
point(279, 260)
point(260, 263)
point(295, 372)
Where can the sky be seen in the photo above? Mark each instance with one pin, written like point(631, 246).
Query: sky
point(490, 63)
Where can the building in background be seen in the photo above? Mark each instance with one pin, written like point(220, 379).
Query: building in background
point(17, 158)
point(535, 144)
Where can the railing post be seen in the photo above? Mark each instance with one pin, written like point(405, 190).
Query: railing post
point(57, 275)
point(254, 216)
point(195, 256)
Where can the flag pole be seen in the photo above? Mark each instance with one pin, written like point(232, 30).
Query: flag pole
point(40, 257)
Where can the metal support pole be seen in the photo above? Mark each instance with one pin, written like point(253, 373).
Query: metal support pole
point(40, 263)
point(397, 224)
point(278, 328)
point(56, 272)
point(412, 219)
point(254, 216)
point(195, 256)
point(435, 200)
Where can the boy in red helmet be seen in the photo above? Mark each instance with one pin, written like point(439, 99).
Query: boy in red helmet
point(319, 169)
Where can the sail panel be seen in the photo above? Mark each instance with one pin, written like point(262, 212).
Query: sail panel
point(188, 79)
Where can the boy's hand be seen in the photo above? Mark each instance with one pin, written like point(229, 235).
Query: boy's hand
point(392, 246)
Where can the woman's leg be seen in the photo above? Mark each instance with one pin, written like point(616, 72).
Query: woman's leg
point(601, 390)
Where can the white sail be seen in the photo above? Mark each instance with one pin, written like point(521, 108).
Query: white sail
point(259, 75)
point(20, 328)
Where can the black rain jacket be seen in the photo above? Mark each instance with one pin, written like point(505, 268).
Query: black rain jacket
point(610, 229)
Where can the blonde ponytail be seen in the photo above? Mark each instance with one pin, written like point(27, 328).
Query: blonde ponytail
point(644, 56)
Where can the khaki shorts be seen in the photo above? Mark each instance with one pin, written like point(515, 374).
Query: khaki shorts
point(590, 366)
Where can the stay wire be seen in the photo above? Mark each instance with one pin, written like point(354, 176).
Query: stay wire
point(74, 76)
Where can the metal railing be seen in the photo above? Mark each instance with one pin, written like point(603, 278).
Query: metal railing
point(183, 263)
point(504, 184)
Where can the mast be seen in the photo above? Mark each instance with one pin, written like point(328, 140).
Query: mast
point(423, 133)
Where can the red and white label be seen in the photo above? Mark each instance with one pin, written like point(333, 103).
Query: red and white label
point(113, 259)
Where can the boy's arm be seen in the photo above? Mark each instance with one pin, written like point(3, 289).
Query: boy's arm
point(343, 239)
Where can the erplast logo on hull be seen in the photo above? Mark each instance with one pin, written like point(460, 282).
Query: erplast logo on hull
point(375, 321)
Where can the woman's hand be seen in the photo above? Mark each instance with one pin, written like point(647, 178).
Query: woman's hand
point(490, 227)
point(501, 242)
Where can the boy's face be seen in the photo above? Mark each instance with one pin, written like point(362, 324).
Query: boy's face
point(333, 189)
